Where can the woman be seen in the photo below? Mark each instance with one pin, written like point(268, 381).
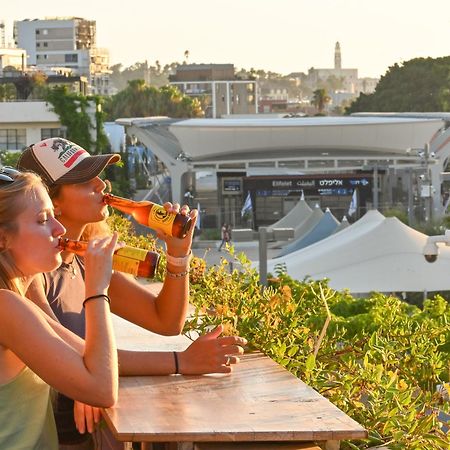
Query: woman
point(77, 193)
point(35, 349)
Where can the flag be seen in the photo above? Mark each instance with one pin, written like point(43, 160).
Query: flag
point(247, 205)
point(353, 204)
point(197, 224)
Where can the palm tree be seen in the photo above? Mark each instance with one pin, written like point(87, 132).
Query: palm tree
point(320, 99)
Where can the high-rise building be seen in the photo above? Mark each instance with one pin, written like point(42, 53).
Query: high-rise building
point(217, 82)
point(65, 42)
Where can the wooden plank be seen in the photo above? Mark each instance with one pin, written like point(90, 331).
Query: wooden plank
point(260, 401)
point(256, 446)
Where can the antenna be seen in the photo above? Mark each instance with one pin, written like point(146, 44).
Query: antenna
point(2, 34)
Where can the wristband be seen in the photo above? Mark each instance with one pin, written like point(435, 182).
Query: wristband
point(179, 262)
point(93, 297)
point(175, 357)
point(177, 275)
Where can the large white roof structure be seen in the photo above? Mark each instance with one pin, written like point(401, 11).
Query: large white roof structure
point(249, 138)
point(291, 145)
point(374, 254)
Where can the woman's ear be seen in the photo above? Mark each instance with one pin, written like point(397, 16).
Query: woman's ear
point(56, 208)
point(3, 239)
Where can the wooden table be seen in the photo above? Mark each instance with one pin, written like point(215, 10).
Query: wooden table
point(259, 401)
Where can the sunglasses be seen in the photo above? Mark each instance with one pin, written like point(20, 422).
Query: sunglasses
point(8, 174)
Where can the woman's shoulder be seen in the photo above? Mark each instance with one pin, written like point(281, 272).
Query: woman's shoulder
point(10, 302)
point(7, 295)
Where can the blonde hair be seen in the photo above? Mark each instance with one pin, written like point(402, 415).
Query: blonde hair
point(11, 205)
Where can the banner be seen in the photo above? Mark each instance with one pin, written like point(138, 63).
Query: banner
point(247, 208)
point(353, 204)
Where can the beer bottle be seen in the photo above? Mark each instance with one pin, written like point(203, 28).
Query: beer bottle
point(151, 215)
point(138, 262)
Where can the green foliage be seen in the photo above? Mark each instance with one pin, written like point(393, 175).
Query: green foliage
point(380, 359)
point(141, 100)
point(72, 111)
point(9, 158)
point(320, 99)
point(419, 85)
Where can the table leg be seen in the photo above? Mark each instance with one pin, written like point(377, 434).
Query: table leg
point(127, 446)
point(332, 445)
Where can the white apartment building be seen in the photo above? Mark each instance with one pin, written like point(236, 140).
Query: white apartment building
point(12, 58)
point(65, 42)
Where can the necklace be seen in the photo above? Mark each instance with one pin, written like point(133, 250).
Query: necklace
point(69, 267)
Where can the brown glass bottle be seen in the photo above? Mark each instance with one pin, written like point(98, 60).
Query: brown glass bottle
point(151, 215)
point(138, 262)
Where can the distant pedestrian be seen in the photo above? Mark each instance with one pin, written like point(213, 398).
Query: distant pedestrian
point(226, 235)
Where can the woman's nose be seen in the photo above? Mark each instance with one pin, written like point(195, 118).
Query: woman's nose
point(58, 228)
point(100, 185)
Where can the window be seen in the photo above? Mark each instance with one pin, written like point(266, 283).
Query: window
point(12, 139)
point(71, 57)
point(47, 133)
point(38, 44)
point(45, 44)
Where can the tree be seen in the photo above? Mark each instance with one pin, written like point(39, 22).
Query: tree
point(320, 99)
point(417, 85)
point(141, 100)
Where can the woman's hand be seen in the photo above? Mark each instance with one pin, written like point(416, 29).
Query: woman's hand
point(175, 246)
point(211, 353)
point(98, 262)
point(86, 417)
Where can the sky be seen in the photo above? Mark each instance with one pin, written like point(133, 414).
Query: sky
point(282, 36)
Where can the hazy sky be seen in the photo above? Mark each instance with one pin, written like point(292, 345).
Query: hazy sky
point(279, 35)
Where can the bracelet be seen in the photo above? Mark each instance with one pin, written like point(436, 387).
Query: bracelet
point(177, 275)
point(179, 262)
point(93, 297)
point(175, 357)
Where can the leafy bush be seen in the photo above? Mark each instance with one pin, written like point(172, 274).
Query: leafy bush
point(379, 360)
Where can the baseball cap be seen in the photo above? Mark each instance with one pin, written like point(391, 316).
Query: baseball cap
point(59, 161)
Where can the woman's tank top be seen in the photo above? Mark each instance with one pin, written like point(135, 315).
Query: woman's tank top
point(26, 416)
point(65, 291)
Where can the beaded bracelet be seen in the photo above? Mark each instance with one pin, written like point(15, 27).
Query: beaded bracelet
point(93, 297)
point(177, 275)
point(177, 368)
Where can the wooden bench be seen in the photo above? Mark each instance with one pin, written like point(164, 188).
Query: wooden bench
point(256, 446)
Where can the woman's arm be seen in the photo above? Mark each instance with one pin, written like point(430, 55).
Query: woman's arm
point(164, 313)
point(25, 330)
point(210, 353)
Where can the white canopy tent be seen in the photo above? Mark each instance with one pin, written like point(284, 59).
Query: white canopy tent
point(297, 215)
point(374, 254)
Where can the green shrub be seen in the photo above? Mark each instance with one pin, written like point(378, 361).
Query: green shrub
point(380, 358)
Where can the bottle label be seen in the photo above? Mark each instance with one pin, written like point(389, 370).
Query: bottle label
point(132, 252)
point(124, 264)
point(161, 218)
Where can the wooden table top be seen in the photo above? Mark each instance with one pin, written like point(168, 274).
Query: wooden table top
point(259, 401)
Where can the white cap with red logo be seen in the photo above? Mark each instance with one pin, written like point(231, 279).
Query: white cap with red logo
point(59, 161)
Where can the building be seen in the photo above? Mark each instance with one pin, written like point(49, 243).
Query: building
point(217, 87)
point(12, 58)
point(327, 158)
point(343, 79)
point(342, 84)
point(65, 42)
point(24, 123)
